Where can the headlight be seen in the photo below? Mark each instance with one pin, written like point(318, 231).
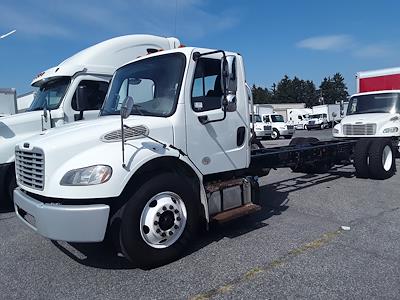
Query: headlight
point(390, 130)
point(87, 176)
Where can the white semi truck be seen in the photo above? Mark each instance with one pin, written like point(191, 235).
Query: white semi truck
point(323, 116)
point(373, 116)
point(55, 104)
point(170, 152)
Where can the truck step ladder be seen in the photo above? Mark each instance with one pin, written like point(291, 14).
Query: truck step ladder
point(234, 213)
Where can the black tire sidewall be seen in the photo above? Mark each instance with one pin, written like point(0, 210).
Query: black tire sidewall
point(376, 168)
point(277, 134)
point(132, 244)
point(361, 153)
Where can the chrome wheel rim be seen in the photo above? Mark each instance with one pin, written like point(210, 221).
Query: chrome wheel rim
point(163, 220)
point(274, 134)
point(387, 158)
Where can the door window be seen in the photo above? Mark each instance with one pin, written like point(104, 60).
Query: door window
point(97, 91)
point(207, 91)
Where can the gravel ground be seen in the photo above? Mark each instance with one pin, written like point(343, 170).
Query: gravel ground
point(293, 248)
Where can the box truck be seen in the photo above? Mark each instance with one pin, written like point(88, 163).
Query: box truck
point(323, 116)
point(56, 102)
point(170, 152)
point(298, 117)
point(373, 116)
point(8, 102)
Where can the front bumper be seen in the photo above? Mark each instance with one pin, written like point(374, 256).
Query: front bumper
point(263, 133)
point(71, 223)
point(314, 126)
point(286, 131)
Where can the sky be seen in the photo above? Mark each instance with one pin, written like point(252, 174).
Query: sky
point(309, 39)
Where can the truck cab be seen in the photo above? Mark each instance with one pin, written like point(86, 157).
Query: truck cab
point(279, 126)
point(318, 121)
point(72, 91)
point(168, 149)
point(371, 114)
point(261, 129)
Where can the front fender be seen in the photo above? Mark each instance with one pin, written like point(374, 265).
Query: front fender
point(137, 153)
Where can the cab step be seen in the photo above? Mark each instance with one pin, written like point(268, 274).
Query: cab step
point(237, 212)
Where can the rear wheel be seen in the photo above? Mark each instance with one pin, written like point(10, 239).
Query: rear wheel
point(381, 159)
point(361, 158)
point(159, 220)
point(305, 127)
point(275, 134)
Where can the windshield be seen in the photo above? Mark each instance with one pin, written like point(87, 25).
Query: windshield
point(153, 83)
point(376, 103)
point(50, 94)
point(277, 118)
point(257, 118)
point(318, 116)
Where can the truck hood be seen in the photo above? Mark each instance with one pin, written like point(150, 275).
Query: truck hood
point(16, 128)
point(368, 118)
point(80, 136)
point(13, 125)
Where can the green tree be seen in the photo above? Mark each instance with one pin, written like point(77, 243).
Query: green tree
point(333, 89)
point(260, 95)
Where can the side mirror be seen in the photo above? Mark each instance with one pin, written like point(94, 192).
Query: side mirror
point(229, 82)
point(228, 71)
point(126, 107)
point(82, 98)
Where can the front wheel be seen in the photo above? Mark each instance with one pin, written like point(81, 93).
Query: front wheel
point(275, 134)
point(159, 220)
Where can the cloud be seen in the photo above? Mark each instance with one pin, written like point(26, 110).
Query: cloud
point(327, 42)
point(373, 51)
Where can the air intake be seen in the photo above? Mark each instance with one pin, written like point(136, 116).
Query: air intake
point(130, 134)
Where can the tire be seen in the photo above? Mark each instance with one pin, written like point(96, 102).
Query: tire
point(275, 134)
point(305, 127)
point(361, 158)
point(382, 163)
point(308, 128)
point(10, 184)
point(322, 127)
point(166, 197)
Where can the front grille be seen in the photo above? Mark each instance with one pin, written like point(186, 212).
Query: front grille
point(129, 134)
point(359, 129)
point(290, 127)
point(267, 127)
point(311, 122)
point(29, 168)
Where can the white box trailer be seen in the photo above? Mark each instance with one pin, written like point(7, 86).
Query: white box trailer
point(24, 101)
point(8, 101)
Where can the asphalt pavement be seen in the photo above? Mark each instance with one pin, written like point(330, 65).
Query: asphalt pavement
point(294, 248)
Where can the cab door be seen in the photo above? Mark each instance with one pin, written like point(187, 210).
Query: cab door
point(220, 145)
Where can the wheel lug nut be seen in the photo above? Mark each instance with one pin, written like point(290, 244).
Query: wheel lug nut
point(171, 207)
point(158, 214)
point(164, 208)
point(158, 230)
point(178, 218)
point(155, 223)
point(176, 211)
point(171, 233)
point(176, 226)
point(163, 234)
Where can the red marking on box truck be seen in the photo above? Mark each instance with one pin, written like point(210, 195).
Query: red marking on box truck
point(380, 83)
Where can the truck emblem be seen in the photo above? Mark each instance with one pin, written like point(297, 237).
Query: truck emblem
point(26, 145)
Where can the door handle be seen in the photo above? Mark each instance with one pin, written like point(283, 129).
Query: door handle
point(203, 119)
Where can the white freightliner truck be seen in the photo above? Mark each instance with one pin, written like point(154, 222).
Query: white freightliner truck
point(171, 151)
point(373, 116)
point(55, 103)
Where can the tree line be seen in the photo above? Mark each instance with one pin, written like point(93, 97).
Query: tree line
point(296, 90)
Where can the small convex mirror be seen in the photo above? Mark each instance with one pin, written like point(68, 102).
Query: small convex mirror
point(126, 107)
